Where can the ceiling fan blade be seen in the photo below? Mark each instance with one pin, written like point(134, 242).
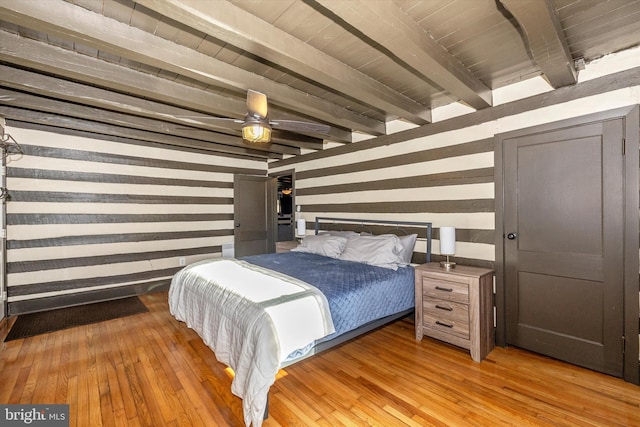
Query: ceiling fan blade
point(296, 126)
point(256, 104)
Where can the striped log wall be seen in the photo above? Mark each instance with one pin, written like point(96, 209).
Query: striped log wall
point(91, 219)
point(441, 172)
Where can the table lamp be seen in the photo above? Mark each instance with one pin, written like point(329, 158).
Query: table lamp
point(447, 246)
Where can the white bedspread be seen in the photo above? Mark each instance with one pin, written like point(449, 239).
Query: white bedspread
point(252, 318)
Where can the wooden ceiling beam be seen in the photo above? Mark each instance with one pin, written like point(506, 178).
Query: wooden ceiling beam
point(50, 59)
point(54, 87)
point(296, 140)
point(387, 25)
point(54, 113)
point(76, 24)
point(239, 28)
point(545, 39)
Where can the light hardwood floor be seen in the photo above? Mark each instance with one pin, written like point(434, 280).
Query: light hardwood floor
point(151, 370)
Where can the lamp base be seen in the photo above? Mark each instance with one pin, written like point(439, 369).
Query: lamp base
point(447, 265)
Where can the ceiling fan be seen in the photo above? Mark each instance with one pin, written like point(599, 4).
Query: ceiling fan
point(257, 126)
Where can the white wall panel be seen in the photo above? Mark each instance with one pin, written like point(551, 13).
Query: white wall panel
point(41, 231)
point(24, 184)
point(55, 164)
point(114, 208)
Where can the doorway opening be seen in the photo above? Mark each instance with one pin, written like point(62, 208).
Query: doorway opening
point(285, 206)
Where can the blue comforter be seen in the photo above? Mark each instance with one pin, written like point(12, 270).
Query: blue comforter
point(357, 293)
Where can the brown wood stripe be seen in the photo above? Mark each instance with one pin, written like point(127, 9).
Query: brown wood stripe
point(114, 238)
point(111, 178)
point(441, 206)
point(30, 219)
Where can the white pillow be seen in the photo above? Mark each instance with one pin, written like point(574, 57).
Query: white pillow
point(381, 251)
point(408, 244)
point(322, 244)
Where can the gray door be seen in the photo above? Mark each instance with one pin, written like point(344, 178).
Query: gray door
point(254, 215)
point(563, 246)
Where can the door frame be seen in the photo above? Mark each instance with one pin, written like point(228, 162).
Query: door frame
point(631, 122)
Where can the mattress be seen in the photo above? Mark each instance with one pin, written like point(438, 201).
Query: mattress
point(357, 293)
point(249, 316)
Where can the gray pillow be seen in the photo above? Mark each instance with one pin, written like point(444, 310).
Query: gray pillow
point(381, 251)
point(322, 244)
point(408, 244)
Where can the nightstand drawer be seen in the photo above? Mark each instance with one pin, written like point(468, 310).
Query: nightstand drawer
point(446, 310)
point(447, 290)
point(449, 326)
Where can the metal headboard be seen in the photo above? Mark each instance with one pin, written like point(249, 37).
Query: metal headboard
point(427, 225)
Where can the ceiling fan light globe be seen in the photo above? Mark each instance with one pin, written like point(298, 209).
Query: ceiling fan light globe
point(256, 132)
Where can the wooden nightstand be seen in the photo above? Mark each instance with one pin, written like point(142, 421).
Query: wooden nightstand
point(456, 306)
point(286, 246)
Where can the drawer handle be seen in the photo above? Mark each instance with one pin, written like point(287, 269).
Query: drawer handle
point(442, 307)
point(447, 325)
point(439, 288)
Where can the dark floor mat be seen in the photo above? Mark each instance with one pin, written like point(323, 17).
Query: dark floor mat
point(28, 325)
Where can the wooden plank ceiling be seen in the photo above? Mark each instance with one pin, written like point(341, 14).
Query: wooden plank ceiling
point(162, 71)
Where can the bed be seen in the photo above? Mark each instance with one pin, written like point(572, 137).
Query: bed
point(264, 312)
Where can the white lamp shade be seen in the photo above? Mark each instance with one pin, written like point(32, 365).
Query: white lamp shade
point(447, 240)
point(301, 228)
